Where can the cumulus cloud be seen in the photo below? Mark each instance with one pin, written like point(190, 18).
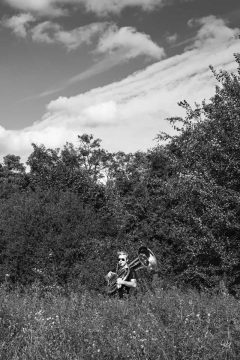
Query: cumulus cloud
point(53, 33)
point(124, 42)
point(84, 34)
point(50, 32)
point(115, 6)
point(99, 7)
point(212, 32)
point(18, 23)
point(130, 41)
point(45, 32)
point(119, 45)
point(104, 113)
point(41, 7)
point(128, 114)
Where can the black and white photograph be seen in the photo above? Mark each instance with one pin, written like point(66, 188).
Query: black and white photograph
point(119, 179)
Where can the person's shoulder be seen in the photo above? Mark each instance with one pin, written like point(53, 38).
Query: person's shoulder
point(132, 273)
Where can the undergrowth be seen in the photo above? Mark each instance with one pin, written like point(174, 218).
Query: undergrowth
point(169, 324)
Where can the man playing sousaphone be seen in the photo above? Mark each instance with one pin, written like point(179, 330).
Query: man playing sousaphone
point(124, 278)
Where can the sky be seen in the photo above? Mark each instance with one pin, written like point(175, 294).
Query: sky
point(116, 69)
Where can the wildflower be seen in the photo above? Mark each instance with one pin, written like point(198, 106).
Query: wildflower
point(227, 344)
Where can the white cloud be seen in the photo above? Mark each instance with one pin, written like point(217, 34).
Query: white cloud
point(212, 32)
point(119, 45)
point(125, 42)
point(115, 6)
point(52, 33)
point(103, 7)
point(45, 32)
point(171, 39)
point(116, 44)
point(104, 113)
point(41, 7)
point(18, 23)
point(100, 7)
point(128, 114)
point(84, 34)
point(130, 42)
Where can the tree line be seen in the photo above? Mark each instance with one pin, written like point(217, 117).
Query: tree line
point(63, 220)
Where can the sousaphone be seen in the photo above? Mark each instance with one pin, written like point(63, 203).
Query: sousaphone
point(145, 259)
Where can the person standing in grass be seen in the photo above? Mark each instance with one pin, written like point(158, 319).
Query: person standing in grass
point(123, 286)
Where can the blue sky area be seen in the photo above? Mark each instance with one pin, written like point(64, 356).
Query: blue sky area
point(116, 69)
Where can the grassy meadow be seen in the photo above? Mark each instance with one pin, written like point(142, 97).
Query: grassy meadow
point(169, 324)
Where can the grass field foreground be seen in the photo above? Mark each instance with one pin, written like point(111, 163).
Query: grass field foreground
point(168, 325)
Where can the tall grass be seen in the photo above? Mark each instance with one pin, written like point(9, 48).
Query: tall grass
point(168, 324)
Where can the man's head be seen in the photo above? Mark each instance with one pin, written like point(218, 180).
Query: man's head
point(122, 258)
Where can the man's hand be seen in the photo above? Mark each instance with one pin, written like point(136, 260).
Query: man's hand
point(109, 275)
point(120, 281)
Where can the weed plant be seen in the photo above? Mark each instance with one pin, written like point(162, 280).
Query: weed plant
point(168, 324)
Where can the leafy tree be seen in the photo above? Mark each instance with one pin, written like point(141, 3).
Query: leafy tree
point(12, 176)
point(204, 162)
point(208, 141)
point(53, 237)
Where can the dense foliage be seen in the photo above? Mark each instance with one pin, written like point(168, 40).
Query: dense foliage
point(63, 220)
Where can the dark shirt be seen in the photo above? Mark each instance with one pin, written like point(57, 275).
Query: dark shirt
point(124, 290)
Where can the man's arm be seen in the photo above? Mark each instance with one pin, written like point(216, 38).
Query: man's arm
point(132, 283)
